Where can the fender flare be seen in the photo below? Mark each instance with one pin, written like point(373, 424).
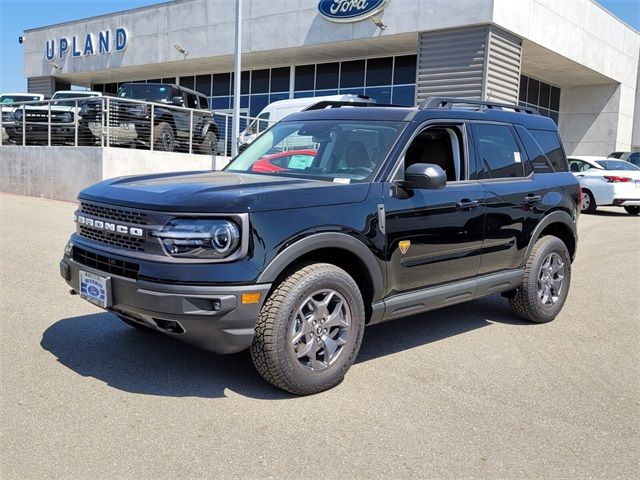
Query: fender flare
point(558, 216)
point(319, 241)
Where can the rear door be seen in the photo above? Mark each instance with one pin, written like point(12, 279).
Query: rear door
point(514, 196)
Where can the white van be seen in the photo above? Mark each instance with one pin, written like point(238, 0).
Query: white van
point(276, 111)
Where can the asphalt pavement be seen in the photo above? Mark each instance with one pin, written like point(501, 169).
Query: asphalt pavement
point(465, 392)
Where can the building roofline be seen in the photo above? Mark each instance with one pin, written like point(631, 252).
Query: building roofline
point(119, 12)
point(615, 16)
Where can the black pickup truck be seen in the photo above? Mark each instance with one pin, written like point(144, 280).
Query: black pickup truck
point(377, 213)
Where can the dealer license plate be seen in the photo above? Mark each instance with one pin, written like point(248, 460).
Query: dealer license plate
point(93, 288)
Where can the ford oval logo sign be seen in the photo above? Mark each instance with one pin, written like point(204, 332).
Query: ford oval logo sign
point(347, 11)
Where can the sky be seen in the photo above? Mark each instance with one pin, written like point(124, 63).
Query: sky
point(19, 15)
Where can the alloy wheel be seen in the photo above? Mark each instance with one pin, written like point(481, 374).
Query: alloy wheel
point(320, 329)
point(550, 279)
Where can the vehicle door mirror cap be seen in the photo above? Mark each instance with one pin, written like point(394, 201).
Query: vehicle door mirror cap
point(425, 176)
point(177, 101)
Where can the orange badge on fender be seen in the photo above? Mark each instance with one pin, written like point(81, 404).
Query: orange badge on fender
point(404, 245)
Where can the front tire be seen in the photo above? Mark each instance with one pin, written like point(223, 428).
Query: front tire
point(632, 210)
point(545, 286)
point(588, 204)
point(309, 330)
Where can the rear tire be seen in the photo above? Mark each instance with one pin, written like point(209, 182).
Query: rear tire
point(163, 137)
point(209, 144)
point(632, 210)
point(588, 204)
point(547, 276)
point(309, 330)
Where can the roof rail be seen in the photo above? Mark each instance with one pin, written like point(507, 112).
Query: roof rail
point(448, 102)
point(340, 103)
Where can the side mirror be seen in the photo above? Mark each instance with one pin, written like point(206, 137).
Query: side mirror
point(179, 101)
point(425, 176)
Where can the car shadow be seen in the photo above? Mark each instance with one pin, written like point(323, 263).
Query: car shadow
point(149, 363)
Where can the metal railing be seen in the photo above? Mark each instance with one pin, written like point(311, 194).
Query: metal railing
point(120, 122)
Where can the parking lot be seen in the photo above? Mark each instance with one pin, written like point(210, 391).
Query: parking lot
point(465, 392)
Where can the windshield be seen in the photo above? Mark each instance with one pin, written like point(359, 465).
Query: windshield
point(616, 165)
point(145, 91)
point(70, 103)
point(332, 150)
point(18, 98)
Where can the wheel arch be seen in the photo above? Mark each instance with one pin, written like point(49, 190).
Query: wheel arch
point(559, 224)
point(339, 249)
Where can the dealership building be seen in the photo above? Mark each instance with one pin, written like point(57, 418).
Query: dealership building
point(571, 59)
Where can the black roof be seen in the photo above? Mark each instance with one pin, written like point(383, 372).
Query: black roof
point(172, 85)
point(408, 114)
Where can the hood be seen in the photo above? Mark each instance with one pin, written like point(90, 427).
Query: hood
point(221, 192)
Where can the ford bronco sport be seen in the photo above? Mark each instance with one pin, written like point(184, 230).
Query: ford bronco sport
point(400, 211)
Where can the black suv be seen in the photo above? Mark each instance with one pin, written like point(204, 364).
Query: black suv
point(130, 121)
point(389, 212)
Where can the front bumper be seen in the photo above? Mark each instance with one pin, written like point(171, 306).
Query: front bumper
point(210, 317)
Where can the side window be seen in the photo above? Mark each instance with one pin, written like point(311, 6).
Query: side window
point(576, 166)
point(263, 122)
point(499, 152)
point(192, 101)
point(538, 161)
point(441, 145)
point(204, 104)
point(551, 146)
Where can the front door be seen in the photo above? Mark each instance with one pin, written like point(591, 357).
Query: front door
point(435, 236)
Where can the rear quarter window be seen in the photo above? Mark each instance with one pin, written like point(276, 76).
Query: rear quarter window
point(549, 142)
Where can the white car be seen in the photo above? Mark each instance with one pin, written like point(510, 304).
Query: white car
point(607, 181)
point(7, 107)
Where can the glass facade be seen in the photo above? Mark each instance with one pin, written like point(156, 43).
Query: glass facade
point(540, 95)
point(386, 79)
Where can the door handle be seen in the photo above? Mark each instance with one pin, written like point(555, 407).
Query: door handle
point(580, 176)
point(467, 204)
point(532, 198)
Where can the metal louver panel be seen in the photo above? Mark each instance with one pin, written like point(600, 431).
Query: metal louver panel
point(503, 66)
point(43, 85)
point(476, 62)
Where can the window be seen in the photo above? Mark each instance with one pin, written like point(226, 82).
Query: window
point(280, 79)
point(203, 84)
point(330, 150)
point(305, 76)
point(550, 144)
point(379, 71)
point(260, 81)
point(500, 154)
point(327, 75)
point(192, 100)
point(442, 146)
point(578, 166)
point(540, 95)
point(352, 74)
point(405, 70)
point(221, 82)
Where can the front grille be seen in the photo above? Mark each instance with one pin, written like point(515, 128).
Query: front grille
point(106, 264)
point(117, 214)
point(111, 238)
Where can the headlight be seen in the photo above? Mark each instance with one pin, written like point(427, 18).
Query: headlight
point(138, 109)
point(17, 115)
point(84, 109)
point(66, 117)
point(192, 238)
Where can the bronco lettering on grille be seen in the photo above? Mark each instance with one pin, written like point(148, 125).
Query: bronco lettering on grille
point(108, 226)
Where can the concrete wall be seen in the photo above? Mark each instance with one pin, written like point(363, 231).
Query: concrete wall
point(61, 172)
